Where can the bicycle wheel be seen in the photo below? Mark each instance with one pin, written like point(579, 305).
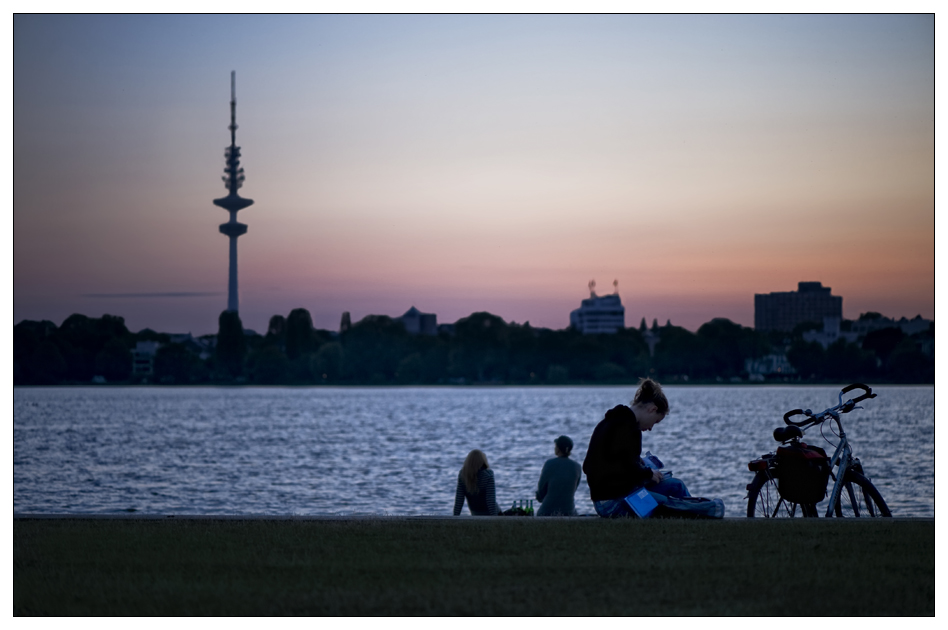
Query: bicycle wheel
point(764, 500)
point(859, 498)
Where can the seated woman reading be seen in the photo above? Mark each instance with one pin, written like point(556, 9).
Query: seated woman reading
point(476, 485)
point(614, 466)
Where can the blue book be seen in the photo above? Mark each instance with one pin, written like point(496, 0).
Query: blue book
point(655, 463)
point(642, 503)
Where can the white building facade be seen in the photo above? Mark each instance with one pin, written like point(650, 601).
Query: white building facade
point(908, 326)
point(830, 334)
point(143, 358)
point(768, 366)
point(599, 315)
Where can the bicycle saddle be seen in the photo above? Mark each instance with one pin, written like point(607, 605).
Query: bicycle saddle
point(784, 434)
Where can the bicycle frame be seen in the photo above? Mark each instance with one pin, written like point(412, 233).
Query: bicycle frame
point(842, 459)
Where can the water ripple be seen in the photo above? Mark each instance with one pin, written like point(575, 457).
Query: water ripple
point(398, 450)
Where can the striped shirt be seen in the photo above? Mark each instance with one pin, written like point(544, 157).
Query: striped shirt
point(481, 504)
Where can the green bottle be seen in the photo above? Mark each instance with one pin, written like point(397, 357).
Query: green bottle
point(530, 509)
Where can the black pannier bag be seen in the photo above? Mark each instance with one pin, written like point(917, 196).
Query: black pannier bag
point(803, 473)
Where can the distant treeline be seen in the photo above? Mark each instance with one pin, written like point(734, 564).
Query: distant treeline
point(482, 348)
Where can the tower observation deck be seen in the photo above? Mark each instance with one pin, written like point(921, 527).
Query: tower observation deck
point(233, 180)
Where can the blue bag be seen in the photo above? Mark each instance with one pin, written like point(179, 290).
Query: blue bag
point(689, 507)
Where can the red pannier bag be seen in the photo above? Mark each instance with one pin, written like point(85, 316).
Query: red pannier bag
point(802, 473)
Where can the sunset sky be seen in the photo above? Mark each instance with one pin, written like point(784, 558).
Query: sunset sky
point(472, 163)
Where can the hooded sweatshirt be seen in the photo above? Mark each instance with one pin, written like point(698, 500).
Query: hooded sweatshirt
point(613, 463)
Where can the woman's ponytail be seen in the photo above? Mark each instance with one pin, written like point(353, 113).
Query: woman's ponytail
point(650, 392)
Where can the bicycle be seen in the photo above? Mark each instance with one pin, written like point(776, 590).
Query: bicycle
point(764, 498)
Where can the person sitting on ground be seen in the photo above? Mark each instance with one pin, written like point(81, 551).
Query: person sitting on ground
point(476, 484)
point(558, 481)
point(613, 464)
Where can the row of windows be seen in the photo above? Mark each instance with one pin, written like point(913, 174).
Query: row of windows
point(593, 320)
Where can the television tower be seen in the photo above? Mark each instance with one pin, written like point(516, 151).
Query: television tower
point(233, 179)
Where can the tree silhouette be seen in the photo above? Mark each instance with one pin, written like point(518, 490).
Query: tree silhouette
point(299, 333)
point(276, 332)
point(270, 366)
point(231, 345)
point(46, 365)
point(114, 361)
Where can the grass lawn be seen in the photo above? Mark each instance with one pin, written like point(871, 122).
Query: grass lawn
point(468, 566)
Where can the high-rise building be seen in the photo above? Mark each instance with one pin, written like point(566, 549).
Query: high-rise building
point(233, 180)
point(783, 310)
point(599, 315)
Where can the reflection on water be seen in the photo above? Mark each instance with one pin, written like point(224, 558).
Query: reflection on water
point(398, 450)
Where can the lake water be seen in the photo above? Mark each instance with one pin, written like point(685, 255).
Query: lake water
point(312, 451)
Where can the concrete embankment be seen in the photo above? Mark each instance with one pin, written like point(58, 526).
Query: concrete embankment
point(367, 565)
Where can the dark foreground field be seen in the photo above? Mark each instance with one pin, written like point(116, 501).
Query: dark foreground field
point(512, 566)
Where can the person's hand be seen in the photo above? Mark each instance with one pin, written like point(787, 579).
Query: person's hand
point(657, 476)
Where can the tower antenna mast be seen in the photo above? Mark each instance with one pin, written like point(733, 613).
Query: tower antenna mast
point(233, 202)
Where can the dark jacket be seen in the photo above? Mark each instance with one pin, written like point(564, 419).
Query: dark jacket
point(613, 463)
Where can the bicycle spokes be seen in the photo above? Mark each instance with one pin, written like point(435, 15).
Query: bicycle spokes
point(852, 499)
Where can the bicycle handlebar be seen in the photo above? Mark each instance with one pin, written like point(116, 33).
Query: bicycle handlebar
point(790, 414)
point(865, 388)
point(842, 407)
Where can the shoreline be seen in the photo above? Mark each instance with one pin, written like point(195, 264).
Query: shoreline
point(672, 384)
point(395, 518)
